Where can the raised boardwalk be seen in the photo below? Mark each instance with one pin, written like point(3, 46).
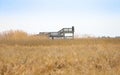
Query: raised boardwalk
point(64, 33)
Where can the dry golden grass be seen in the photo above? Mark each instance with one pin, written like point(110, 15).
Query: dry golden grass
point(23, 54)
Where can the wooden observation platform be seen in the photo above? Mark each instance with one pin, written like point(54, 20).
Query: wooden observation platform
point(64, 33)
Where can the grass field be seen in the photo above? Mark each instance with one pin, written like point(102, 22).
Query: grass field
point(22, 54)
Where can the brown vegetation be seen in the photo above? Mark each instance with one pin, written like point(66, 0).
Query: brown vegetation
point(23, 54)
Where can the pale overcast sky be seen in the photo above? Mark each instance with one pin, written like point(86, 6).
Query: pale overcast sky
point(95, 17)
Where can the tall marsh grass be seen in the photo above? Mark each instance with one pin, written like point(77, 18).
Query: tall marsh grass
point(23, 54)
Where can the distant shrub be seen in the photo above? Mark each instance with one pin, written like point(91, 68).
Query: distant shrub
point(14, 35)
